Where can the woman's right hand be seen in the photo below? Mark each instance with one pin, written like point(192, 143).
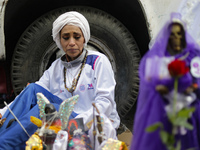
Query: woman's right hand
point(162, 89)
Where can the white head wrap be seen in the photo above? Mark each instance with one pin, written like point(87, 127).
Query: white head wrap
point(70, 18)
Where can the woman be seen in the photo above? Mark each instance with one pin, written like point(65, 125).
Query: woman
point(86, 73)
point(156, 91)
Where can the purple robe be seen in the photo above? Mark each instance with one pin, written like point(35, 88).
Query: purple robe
point(151, 104)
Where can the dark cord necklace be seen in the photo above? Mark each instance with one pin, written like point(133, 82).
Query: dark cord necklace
point(75, 80)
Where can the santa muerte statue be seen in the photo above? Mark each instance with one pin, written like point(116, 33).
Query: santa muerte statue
point(168, 109)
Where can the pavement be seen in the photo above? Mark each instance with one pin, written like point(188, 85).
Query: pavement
point(126, 137)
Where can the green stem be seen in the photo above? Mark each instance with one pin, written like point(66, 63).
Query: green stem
point(175, 95)
point(174, 103)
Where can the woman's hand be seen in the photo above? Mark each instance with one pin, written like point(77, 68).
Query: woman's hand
point(191, 88)
point(162, 89)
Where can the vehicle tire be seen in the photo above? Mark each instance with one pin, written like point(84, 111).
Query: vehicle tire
point(36, 50)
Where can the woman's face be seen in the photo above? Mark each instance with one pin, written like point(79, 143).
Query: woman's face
point(72, 41)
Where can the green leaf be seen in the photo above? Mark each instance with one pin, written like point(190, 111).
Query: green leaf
point(171, 139)
point(182, 122)
point(170, 147)
point(154, 127)
point(186, 112)
point(171, 117)
point(191, 148)
point(178, 145)
point(179, 121)
point(164, 136)
point(187, 125)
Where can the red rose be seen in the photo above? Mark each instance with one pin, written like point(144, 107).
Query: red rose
point(177, 68)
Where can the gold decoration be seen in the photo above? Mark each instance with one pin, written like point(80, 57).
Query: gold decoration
point(34, 143)
point(112, 144)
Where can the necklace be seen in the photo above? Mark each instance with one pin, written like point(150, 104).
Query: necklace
point(75, 80)
point(68, 74)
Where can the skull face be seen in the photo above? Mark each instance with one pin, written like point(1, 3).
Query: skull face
point(175, 38)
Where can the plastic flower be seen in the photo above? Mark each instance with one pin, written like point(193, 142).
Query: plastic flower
point(177, 68)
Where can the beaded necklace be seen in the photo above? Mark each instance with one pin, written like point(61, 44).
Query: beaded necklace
point(75, 81)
